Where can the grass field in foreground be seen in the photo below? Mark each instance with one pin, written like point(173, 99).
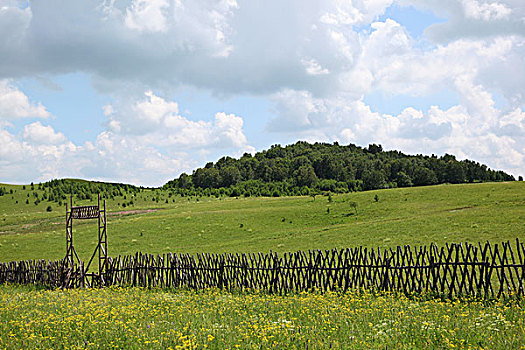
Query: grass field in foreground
point(415, 216)
point(154, 319)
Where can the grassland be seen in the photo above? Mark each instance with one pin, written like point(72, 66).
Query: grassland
point(156, 319)
point(158, 223)
point(159, 319)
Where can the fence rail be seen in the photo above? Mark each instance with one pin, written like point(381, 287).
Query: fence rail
point(482, 270)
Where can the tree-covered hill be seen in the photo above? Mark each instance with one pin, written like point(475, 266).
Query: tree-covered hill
point(59, 189)
point(303, 168)
point(298, 169)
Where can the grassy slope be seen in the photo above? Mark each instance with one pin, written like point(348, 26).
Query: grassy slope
point(415, 216)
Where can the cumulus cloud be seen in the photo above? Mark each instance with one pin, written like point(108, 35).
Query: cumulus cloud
point(353, 12)
point(216, 45)
point(486, 11)
point(147, 143)
point(437, 131)
point(110, 158)
point(140, 117)
point(157, 121)
point(313, 67)
point(147, 15)
point(40, 134)
point(15, 104)
point(11, 150)
point(232, 47)
point(393, 63)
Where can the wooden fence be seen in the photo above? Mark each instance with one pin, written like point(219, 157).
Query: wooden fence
point(51, 274)
point(482, 270)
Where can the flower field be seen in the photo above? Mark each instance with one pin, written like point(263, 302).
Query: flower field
point(180, 319)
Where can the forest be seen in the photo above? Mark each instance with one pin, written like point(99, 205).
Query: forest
point(308, 169)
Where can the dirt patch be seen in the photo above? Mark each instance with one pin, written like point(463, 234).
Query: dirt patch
point(458, 209)
point(130, 212)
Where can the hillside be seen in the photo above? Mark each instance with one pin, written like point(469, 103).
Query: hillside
point(160, 222)
point(303, 169)
point(300, 169)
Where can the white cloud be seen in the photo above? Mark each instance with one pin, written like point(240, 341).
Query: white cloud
point(312, 67)
point(297, 110)
point(353, 12)
point(464, 130)
point(128, 151)
point(230, 47)
point(225, 46)
point(147, 15)
point(11, 150)
point(398, 66)
point(513, 124)
point(156, 121)
point(485, 11)
point(40, 134)
point(153, 111)
point(229, 131)
point(14, 21)
point(15, 104)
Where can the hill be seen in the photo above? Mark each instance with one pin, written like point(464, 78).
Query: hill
point(159, 221)
point(304, 169)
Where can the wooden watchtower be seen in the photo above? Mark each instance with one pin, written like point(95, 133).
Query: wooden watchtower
point(82, 213)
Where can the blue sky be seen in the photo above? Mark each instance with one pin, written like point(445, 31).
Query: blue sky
point(139, 91)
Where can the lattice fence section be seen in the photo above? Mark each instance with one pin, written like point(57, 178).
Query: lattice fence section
point(51, 274)
point(85, 212)
point(482, 270)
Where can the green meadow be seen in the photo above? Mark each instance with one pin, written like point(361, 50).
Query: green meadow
point(137, 318)
point(158, 222)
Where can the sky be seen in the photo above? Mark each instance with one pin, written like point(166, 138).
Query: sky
point(139, 91)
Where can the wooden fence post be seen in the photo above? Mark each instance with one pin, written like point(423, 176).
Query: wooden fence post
point(386, 278)
point(221, 273)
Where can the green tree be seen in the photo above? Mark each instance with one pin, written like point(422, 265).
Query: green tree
point(403, 180)
point(373, 179)
point(373, 148)
point(424, 176)
point(264, 171)
point(185, 181)
point(206, 178)
point(230, 176)
point(305, 176)
point(455, 173)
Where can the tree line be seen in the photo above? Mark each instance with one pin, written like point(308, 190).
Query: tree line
point(304, 169)
point(58, 190)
